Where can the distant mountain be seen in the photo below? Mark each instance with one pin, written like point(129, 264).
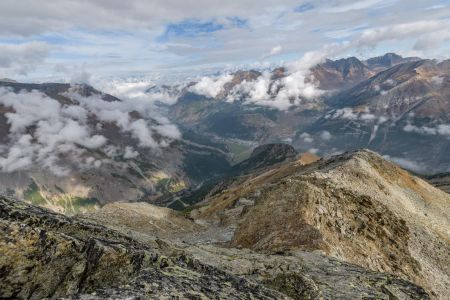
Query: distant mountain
point(396, 106)
point(400, 111)
point(346, 72)
point(123, 167)
point(338, 74)
point(418, 87)
point(388, 60)
point(7, 80)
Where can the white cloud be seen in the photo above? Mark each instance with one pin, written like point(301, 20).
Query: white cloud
point(407, 164)
point(441, 129)
point(313, 150)
point(130, 153)
point(82, 76)
point(275, 50)
point(325, 135)
point(299, 85)
point(54, 137)
point(307, 138)
point(87, 32)
point(22, 58)
point(211, 87)
point(359, 5)
point(437, 81)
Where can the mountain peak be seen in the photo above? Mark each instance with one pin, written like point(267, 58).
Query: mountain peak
point(388, 60)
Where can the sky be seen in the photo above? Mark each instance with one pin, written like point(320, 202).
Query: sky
point(82, 40)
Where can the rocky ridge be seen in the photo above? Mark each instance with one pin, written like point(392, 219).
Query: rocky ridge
point(87, 260)
point(356, 206)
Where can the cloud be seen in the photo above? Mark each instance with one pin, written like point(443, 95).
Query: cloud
point(325, 135)
point(54, 132)
point(130, 153)
point(359, 5)
point(299, 85)
point(191, 37)
point(275, 50)
point(441, 129)
point(62, 136)
point(417, 29)
point(211, 87)
point(307, 138)
point(407, 164)
point(22, 58)
point(437, 81)
point(143, 90)
point(81, 77)
point(304, 7)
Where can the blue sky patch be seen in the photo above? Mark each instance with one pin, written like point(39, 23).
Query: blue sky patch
point(189, 28)
point(304, 7)
point(238, 22)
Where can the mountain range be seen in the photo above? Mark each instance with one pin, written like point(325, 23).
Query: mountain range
point(355, 226)
point(325, 183)
point(396, 106)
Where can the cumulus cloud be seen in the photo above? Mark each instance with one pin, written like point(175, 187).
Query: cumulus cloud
point(54, 132)
point(348, 113)
point(275, 50)
point(211, 32)
point(299, 85)
point(407, 164)
point(441, 129)
point(130, 153)
point(63, 134)
point(325, 135)
point(211, 87)
point(307, 138)
point(437, 81)
point(82, 76)
point(22, 58)
point(140, 90)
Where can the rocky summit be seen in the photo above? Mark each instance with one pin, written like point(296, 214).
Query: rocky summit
point(354, 227)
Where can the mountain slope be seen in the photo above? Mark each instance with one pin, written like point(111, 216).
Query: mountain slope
point(73, 148)
point(395, 106)
point(338, 74)
point(356, 206)
point(87, 260)
point(387, 61)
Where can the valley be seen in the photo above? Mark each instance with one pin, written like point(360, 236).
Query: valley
point(212, 198)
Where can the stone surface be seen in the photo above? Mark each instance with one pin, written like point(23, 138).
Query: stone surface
point(48, 255)
point(356, 206)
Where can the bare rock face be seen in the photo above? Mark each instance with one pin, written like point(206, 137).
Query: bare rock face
point(48, 255)
point(356, 206)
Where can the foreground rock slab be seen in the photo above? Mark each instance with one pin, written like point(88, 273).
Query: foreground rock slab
point(48, 255)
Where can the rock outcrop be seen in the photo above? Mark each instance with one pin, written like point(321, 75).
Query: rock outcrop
point(356, 206)
point(48, 255)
